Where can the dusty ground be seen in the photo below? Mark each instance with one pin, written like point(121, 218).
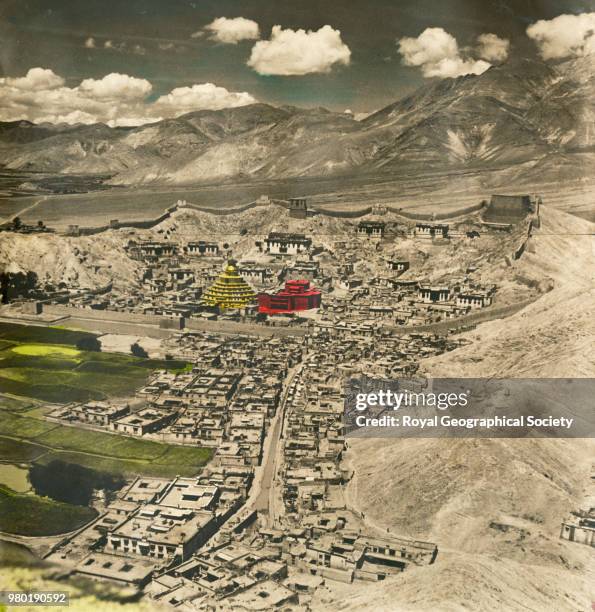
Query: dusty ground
point(493, 506)
point(426, 192)
point(88, 261)
point(451, 491)
point(121, 343)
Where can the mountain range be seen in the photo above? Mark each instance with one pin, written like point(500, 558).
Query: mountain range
point(525, 114)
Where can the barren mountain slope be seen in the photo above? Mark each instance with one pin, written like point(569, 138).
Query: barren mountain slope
point(519, 112)
point(494, 506)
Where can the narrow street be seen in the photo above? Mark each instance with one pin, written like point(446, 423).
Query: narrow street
point(264, 489)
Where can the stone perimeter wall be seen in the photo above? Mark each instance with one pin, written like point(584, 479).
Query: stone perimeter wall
point(344, 214)
point(113, 321)
point(470, 320)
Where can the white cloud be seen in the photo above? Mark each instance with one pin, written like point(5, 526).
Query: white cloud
point(430, 47)
point(75, 116)
point(454, 67)
point(115, 99)
point(492, 48)
point(36, 79)
point(437, 53)
point(90, 43)
point(564, 36)
point(200, 97)
point(116, 86)
point(290, 52)
point(128, 121)
point(232, 31)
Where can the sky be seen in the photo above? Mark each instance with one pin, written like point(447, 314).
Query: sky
point(135, 61)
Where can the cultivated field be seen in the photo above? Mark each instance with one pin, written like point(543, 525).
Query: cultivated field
point(43, 363)
point(27, 437)
point(37, 516)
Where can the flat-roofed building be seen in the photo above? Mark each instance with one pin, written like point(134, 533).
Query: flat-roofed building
point(431, 230)
point(433, 293)
point(187, 493)
point(282, 243)
point(162, 532)
point(144, 421)
point(202, 248)
point(145, 490)
point(100, 413)
point(372, 229)
point(121, 570)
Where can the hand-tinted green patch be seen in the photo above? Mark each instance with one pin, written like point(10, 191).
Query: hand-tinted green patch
point(23, 427)
point(55, 372)
point(62, 381)
point(14, 405)
point(46, 374)
point(41, 335)
point(163, 364)
point(112, 445)
point(19, 451)
point(50, 393)
point(126, 467)
point(130, 372)
point(180, 455)
point(43, 441)
point(100, 367)
point(36, 516)
point(46, 350)
point(138, 362)
point(10, 359)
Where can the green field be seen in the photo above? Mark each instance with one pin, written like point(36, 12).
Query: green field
point(26, 437)
point(18, 451)
point(36, 516)
point(15, 477)
point(14, 405)
point(14, 332)
point(165, 466)
point(46, 350)
point(117, 455)
point(44, 363)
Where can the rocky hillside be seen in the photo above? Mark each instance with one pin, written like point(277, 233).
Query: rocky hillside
point(494, 506)
point(79, 262)
point(523, 113)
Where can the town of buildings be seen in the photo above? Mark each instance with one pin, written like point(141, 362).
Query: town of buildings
point(371, 271)
point(268, 514)
point(267, 521)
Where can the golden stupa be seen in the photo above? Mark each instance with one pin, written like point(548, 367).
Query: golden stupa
point(230, 290)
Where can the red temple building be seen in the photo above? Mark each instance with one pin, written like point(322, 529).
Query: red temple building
point(297, 295)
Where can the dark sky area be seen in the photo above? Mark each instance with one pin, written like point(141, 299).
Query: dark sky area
point(158, 44)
